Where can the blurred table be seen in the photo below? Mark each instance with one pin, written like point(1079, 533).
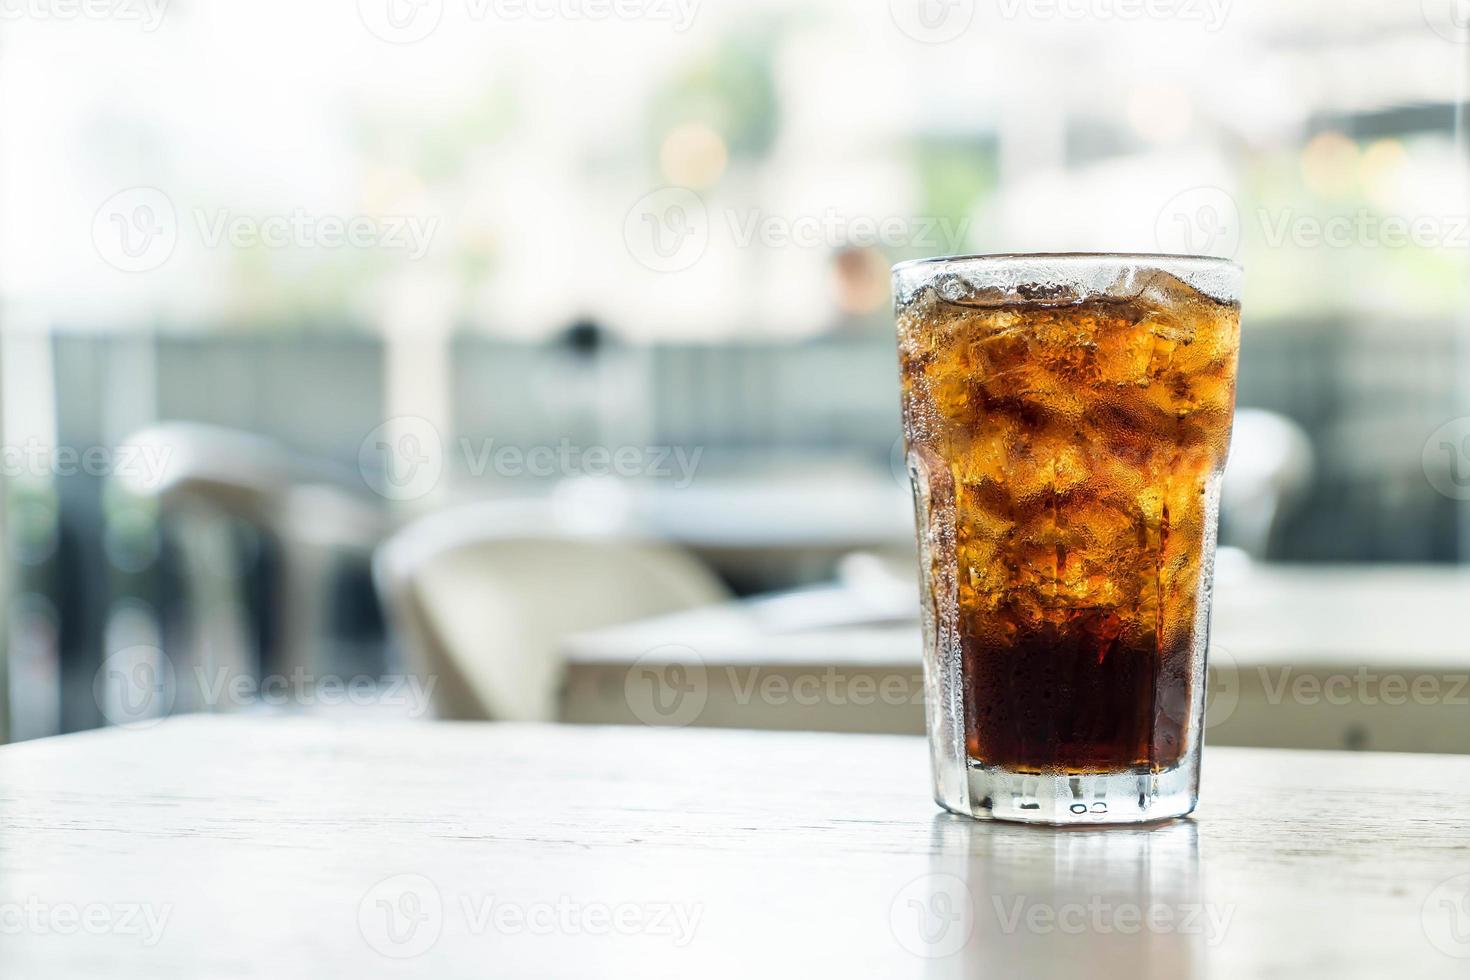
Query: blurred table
point(778, 529)
point(211, 847)
point(1369, 657)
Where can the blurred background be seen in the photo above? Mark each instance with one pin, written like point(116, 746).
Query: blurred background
point(348, 343)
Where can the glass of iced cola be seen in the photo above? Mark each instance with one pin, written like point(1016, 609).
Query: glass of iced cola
point(1066, 419)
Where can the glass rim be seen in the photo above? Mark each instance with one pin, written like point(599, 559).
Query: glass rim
point(1122, 258)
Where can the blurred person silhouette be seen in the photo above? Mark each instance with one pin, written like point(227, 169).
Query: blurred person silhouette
point(860, 291)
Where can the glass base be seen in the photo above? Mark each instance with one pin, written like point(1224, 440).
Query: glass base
point(992, 793)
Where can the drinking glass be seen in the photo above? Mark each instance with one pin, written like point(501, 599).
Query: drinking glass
point(1066, 420)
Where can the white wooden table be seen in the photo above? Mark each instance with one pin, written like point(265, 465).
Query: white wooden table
point(266, 847)
point(1303, 657)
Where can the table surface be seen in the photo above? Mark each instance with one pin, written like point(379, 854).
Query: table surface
point(1306, 616)
point(273, 847)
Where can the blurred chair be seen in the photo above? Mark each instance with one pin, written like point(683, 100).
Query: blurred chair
point(1269, 472)
point(480, 597)
point(213, 476)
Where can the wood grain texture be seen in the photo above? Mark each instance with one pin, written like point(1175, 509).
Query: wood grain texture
point(268, 847)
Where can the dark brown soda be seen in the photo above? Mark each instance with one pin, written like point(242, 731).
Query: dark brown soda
point(1074, 699)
